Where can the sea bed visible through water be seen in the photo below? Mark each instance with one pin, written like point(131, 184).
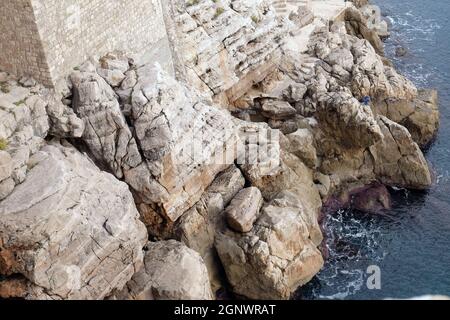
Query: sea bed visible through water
point(410, 243)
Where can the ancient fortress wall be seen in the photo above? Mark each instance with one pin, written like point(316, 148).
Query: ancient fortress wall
point(47, 38)
point(21, 48)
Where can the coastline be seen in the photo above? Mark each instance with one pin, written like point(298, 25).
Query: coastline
point(332, 141)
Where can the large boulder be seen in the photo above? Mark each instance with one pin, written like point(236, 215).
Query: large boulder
point(244, 209)
point(70, 229)
point(276, 257)
point(184, 142)
point(171, 271)
point(419, 115)
point(197, 228)
point(107, 135)
point(221, 43)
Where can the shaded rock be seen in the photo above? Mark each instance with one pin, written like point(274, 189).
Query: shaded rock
point(345, 118)
point(400, 51)
point(171, 271)
point(420, 115)
point(244, 209)
point(198, 226)
point(274, 109)
point(228, 183)
point(184, 143)
point(64, 123)
point(14, 287)
point(357, 25)
point(5, 165)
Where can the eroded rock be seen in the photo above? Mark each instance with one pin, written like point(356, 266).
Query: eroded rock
point(70, 229)
point(171, 271)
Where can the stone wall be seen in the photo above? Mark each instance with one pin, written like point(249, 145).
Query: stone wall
point(72, 30)
point(21, 49)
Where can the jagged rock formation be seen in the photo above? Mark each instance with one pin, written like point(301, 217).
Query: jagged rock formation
point(234, 159)
point(223, 41)
point(276, 257)
point(171, 271)
point(75, 233)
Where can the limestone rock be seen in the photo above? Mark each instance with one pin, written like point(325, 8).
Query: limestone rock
point(223, 42)
point(64, 123)
point(276, 257)
point(70, 229)
point(244, 209)
point(5, 165)
point(301, 143)
point(197, 228)
point(228, 183)
point(420, 115)
point(356, 24)
point(277, 109)
point(398, 159)
point(184, 142)
point(350, 122)
point(106, 133)
point(171, 271)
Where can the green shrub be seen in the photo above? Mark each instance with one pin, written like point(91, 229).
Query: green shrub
point(3, 144)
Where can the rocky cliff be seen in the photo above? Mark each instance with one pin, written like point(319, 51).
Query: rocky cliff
point(128, 183)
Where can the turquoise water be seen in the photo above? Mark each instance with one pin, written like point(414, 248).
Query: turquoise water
point(411, 244)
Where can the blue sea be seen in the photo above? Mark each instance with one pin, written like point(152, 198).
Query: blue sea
point(411, 244)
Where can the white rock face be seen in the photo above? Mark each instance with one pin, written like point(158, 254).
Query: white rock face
point(70, 229)
point(244, 209)
point(220, 42)
point(241, 194)
point(171, 271)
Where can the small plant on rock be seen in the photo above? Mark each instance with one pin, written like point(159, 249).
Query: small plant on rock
point(3, 144)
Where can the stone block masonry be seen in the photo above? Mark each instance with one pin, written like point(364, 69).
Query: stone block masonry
point(46, 39)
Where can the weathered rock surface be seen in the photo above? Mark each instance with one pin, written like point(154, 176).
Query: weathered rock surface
point(239, 194)
point(244, 209)
point(420, 116)
point(197, 227)
point(70, 229)
point(173, 147)
point(223, 41)
point(277, 109)
point(301, 143)
point(357, 25)
point(106, 131)
point(276, 257)
point(184, 143)
point(171, 271)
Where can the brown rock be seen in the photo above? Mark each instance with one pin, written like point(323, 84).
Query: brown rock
point(244, 209)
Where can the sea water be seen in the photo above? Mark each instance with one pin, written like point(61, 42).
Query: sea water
point(411, 244)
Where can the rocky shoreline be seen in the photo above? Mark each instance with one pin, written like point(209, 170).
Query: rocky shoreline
point(128, 183)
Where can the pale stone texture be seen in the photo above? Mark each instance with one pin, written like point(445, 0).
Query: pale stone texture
point(171, 271)
point(276, 257)
point(70, 229)
point(244, 209)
